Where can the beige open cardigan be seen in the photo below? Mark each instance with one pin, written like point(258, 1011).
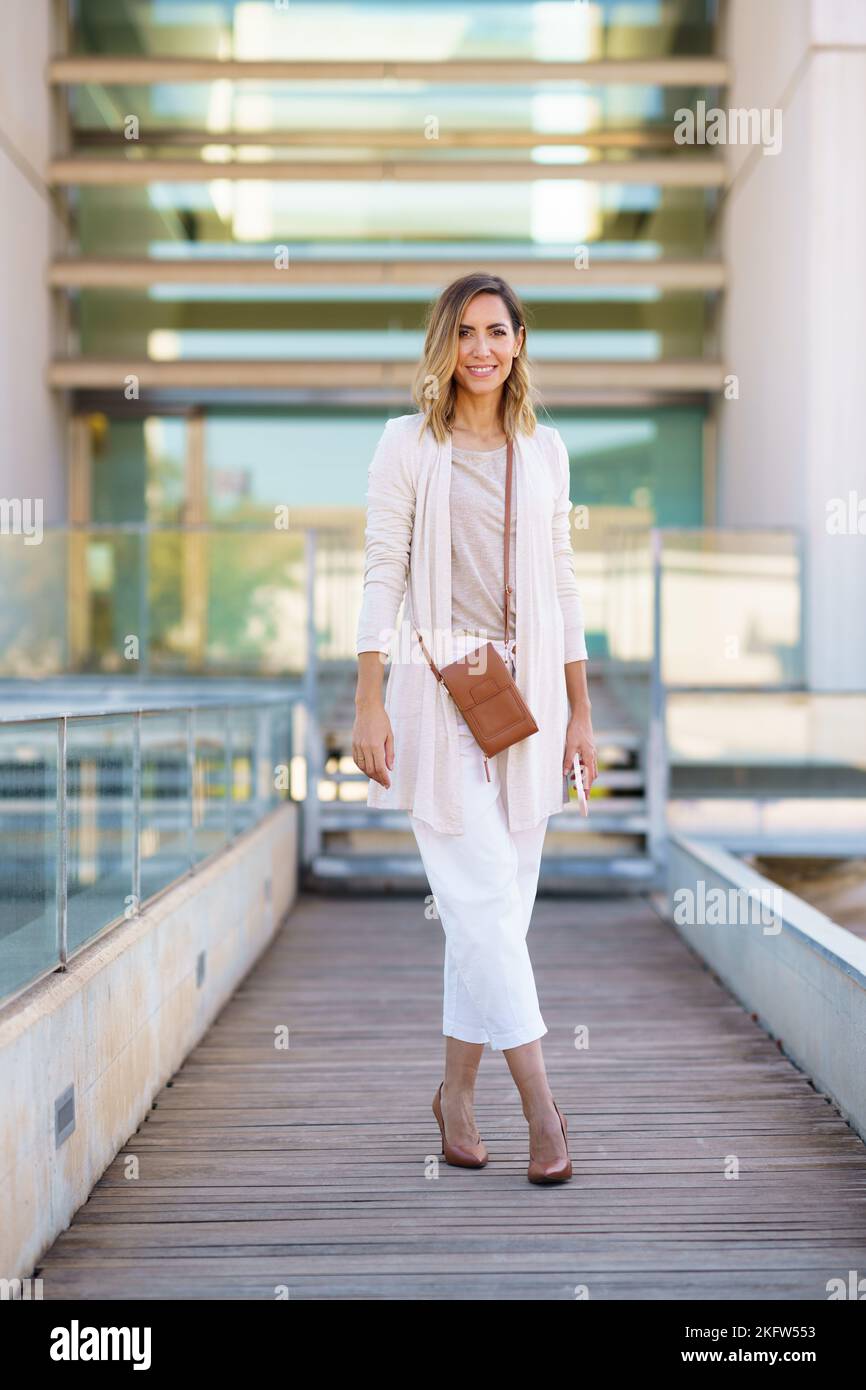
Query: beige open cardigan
point(408, 554)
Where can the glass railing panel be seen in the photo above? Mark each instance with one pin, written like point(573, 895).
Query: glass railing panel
point(127, 601)
point(798, 729)
point(339, 590)
point(227, 602)
point(166, 809)
point(100, 824)
point(29, 852)
point(138, 465)
point(176, 583)
point(287, 729)
point(731, 606)
point(629, 624)
point(256, 602)
point(108, 632)
point(34, 618)
point(245, 781)
point(210, 782)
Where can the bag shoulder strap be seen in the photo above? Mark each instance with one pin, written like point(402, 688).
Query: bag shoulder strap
point(509, 469)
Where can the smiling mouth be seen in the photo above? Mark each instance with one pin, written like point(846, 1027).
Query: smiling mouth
point(482, 371)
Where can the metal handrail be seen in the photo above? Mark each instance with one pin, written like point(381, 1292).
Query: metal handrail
point(173, 708)
point(212, 527)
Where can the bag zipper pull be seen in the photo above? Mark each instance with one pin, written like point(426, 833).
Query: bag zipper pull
point(486, 768)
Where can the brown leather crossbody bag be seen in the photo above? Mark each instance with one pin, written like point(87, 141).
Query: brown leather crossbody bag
point(480, 683)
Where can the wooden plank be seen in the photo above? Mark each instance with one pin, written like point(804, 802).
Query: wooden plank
point(306, 1168)
point(504, 1285)
point(210, 1237)
point(78, 586)
point(607, 1256)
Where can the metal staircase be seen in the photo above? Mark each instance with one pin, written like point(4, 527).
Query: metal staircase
point(355, 849)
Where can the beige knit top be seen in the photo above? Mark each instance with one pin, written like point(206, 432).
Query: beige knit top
point(477, 507)
point(477, 510)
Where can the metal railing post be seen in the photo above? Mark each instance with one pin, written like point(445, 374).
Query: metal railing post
point(190, 773)
point(144, 559)
point(136, 812)
point(800, 674)
point(63, 857)
point(229, 776)
point(657, 753)
point(261, 759)
point(312, 828)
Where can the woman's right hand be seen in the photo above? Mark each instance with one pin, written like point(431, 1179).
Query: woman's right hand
point(373, 742)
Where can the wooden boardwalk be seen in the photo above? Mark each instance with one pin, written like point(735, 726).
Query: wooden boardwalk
point(313, 1169)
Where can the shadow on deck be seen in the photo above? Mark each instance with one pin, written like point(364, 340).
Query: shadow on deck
point(309, 1169)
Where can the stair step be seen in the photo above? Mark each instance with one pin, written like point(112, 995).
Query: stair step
point(608, 822)
point(614, 779)
point(342, 865)
point(405, 873)
point(337, 736)
point(626, 814)
point(635, 868)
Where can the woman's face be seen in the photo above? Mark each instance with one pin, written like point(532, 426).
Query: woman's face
point(487, 345)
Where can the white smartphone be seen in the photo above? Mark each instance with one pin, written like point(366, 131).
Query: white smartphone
point(577, 787)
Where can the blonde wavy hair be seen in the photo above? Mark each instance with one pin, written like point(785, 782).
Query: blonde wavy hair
point(434, 389)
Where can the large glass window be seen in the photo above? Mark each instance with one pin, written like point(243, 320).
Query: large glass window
point(262, 29)
point(138, 468)
point(637, 325)
point(314, 465)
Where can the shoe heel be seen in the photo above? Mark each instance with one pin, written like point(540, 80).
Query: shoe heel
point(476, 1157)
point(437, 1111)
point(556, 1172)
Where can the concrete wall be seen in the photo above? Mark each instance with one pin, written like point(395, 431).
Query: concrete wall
point(804, 976)
point(31, 230)
point(794, 328)
point(119, 1023)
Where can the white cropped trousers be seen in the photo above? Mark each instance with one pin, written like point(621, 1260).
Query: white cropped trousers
point(484, 884)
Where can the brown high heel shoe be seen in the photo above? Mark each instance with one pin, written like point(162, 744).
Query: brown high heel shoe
point(560, 1171)
point(474, 1157)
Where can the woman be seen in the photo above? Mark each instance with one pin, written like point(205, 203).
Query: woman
point(435, 532)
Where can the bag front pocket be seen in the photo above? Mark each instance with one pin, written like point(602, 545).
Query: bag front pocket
point(495, 716)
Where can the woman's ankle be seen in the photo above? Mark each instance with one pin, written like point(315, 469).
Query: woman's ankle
point(538, 1107)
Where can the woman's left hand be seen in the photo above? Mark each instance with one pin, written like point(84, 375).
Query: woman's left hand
point(579, 740)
